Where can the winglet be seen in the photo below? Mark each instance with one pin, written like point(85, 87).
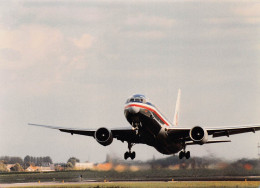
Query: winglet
point(177, 109)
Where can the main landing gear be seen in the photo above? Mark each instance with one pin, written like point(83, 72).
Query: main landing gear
point(129, 153)
point(184, 153)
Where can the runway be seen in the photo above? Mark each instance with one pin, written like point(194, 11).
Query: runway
point(219, 181)
point(40, 184)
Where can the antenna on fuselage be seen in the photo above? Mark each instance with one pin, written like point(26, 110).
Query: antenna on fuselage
point(177, 109)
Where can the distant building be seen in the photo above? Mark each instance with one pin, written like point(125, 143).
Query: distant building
point(32, 168)
point(46, 168)
point(40, 168)
point(83, 166)
point(10, 167)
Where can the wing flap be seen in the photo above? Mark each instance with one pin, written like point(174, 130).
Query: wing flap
point(128, 135)
point(209, 142)
point(178, 133)
point(80, 132)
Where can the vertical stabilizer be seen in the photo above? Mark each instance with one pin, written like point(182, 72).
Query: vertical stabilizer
point(177, 109)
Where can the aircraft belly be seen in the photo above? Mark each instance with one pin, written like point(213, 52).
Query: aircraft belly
point(170, 148)
point(149, 129)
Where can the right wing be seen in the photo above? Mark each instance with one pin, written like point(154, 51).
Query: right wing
point(122, 134)
point(86, 132)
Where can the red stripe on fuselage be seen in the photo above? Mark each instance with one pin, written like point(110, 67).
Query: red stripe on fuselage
point(154, 111)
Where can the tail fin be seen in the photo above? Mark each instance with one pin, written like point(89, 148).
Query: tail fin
point(177, 109)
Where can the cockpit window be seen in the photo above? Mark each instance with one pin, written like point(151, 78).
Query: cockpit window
point(137, 98)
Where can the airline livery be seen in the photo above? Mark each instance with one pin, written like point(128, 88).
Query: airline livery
point(149, 126)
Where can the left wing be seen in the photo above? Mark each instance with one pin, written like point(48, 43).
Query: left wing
point(218, 132)
point(208, 142)
point(122, 134)
point(184, 133)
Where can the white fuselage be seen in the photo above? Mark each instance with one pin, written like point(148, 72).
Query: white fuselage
point(151, 125)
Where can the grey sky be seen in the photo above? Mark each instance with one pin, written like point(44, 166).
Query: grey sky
point(73, 64)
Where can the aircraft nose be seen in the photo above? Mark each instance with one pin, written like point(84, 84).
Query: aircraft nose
point(134, 109)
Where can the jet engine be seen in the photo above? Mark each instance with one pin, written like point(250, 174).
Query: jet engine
point(199, 135)
point(104, 136)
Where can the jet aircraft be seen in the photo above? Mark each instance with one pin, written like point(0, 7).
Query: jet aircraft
point(150, 127)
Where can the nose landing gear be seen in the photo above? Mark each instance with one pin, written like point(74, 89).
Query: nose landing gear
point(129, 153)
point(136, 126)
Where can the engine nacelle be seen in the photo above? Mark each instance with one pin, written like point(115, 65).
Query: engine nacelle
point(199, 135)
point(104, 136)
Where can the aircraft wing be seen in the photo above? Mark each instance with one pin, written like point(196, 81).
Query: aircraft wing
point(122, 134)
point(128, 135)
point(209, 142)
point(86, 132)
point(218, 132)
point(183, 133)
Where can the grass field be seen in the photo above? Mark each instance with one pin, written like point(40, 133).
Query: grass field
point(157, 184)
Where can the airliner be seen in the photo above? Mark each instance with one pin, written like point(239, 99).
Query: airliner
point(150, 127)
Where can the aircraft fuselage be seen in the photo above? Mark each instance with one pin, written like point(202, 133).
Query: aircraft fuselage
point(150, 125)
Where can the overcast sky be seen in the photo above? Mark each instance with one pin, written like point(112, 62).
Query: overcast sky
point(74, 64)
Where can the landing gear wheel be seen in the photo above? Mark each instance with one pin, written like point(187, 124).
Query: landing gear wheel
point(187, 155)
point(129, 153)
point(181, 155)
point(184, 154)
point(132, 155)
point(126, 155)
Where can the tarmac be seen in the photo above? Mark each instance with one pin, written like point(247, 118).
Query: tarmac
point(188, 179)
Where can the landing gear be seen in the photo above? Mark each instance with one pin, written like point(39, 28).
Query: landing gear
point(136, 126)
point(187, 155)
point(129, 153)
point(184, 153)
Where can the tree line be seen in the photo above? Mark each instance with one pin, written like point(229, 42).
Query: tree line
point(20, 164)
point(28, 160)
point(37, 161)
